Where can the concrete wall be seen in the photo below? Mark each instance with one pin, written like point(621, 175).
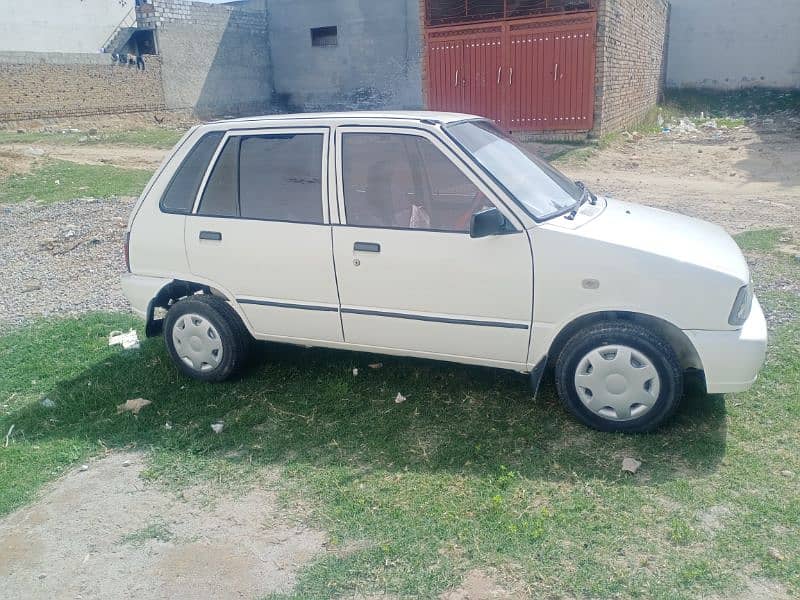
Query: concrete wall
point(376, 63)
point(727, 44)
point(39, 85)
point(215, 57)
point(631, 61)
point(58, 25)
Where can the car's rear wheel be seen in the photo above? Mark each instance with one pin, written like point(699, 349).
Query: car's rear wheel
point(205, 338)
point(619, 376)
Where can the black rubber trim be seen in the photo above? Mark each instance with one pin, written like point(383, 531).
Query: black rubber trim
point(378, 313)
point(536, 375)
point(286, 305)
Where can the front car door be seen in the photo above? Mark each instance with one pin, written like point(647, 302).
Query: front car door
point(411, 279)
point(260, 231)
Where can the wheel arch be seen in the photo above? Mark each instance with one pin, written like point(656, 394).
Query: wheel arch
point(685, 351)
point(176, 290)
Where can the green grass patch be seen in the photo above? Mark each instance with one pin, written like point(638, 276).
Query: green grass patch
point(155, 531)
point(734, 103)
point(762, 240)
point(161, 138)
point(470, 472)
point(56, 180)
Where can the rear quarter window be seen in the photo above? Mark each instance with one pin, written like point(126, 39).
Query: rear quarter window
point(182, 189)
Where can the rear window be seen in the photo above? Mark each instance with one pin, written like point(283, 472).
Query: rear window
point(182, 190)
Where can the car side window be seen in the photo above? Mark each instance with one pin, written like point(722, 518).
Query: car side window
point(182, 189)
point(220, 198)
point(281, 177)
point(405, 181)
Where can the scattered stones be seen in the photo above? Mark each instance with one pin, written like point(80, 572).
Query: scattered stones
point(83, 468)
point(786, 473)
point(133, 406)
point(35, 152)
point(47, 403)
point(31, 286)
point(92, 132)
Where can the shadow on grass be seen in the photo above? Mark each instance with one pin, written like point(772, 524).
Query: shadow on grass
point(305, 406)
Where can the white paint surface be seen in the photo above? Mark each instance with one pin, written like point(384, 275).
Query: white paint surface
point(59, 25)
point(728, 44)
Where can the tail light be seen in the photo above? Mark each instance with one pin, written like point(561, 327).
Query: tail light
point(126, 249)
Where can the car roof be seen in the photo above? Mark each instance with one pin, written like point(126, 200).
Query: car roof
point(354, 116)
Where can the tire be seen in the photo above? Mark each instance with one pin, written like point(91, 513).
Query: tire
point(214, 344)
point(619, 377)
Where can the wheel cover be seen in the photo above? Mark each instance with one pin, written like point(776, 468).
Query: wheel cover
point(197, 342)
point(617, 383)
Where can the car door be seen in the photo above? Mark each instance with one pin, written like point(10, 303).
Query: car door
point(410, 276)
point(260, 231)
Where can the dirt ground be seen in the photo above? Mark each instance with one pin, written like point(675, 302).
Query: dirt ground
point(106, 533)
point(743, 178)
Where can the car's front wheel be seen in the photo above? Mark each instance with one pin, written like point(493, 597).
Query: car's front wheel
point(619, 376)
point(205, 338)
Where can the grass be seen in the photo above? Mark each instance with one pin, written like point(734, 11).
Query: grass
point(470, 472)
point(155, 531)
point(56, 180)
point(161, 137)
point(735, 103)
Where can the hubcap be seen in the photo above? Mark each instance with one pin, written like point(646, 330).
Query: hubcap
point(197, 342)
point(617, 383)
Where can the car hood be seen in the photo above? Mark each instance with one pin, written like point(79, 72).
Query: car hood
point(666, 234)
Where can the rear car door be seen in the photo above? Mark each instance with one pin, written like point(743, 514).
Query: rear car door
point(410, 276)
point(260, 231)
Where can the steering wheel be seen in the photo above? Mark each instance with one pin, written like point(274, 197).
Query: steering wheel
point(465, 220)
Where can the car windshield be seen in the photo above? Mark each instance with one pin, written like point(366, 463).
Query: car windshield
point(539, 188)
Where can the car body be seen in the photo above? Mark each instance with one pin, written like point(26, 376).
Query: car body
point(434, 235)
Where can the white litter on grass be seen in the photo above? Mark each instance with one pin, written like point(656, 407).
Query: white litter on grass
point(128, 341)
point(400, 398)
point(355, 372)
point(217, 427)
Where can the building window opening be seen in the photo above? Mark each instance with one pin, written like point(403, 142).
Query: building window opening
point(325, 36)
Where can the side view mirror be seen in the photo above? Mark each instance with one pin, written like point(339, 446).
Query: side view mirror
point(488, 222)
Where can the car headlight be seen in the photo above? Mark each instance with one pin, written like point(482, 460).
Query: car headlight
point(741, 307)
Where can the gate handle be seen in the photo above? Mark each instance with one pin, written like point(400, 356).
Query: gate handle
point(510, 75)
point(456, 85)
point(499, 74)
point(555, 76)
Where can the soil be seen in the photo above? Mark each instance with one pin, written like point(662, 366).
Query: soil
point(126, 157)
point(106, 533)
point(742, 178)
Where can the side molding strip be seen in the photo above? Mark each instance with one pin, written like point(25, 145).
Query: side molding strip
point(377, 313)
point(286, 305)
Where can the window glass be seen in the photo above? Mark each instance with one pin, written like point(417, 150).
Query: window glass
point(281, 177)
point(404, 181)
point(220, 196)
point(182, 190)
point(541, 189)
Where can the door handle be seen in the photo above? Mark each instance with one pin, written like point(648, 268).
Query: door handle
point(456, 82)
point(214, 236)
point(499, 74)
point(366, 247)
point(510, 75)
point(555, 75)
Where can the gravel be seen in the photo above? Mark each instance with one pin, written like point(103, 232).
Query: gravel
point(61, 259)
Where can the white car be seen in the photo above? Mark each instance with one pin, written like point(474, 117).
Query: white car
point(438, 236)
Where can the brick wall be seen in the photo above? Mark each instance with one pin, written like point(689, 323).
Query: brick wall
point(42, 85)
point(631, 59)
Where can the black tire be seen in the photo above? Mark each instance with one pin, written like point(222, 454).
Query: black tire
point(232, 334)
point(641, 340)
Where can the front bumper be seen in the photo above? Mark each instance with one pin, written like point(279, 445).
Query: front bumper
point(732, 359)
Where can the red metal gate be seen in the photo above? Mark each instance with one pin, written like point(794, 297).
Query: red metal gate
point(527, 75)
